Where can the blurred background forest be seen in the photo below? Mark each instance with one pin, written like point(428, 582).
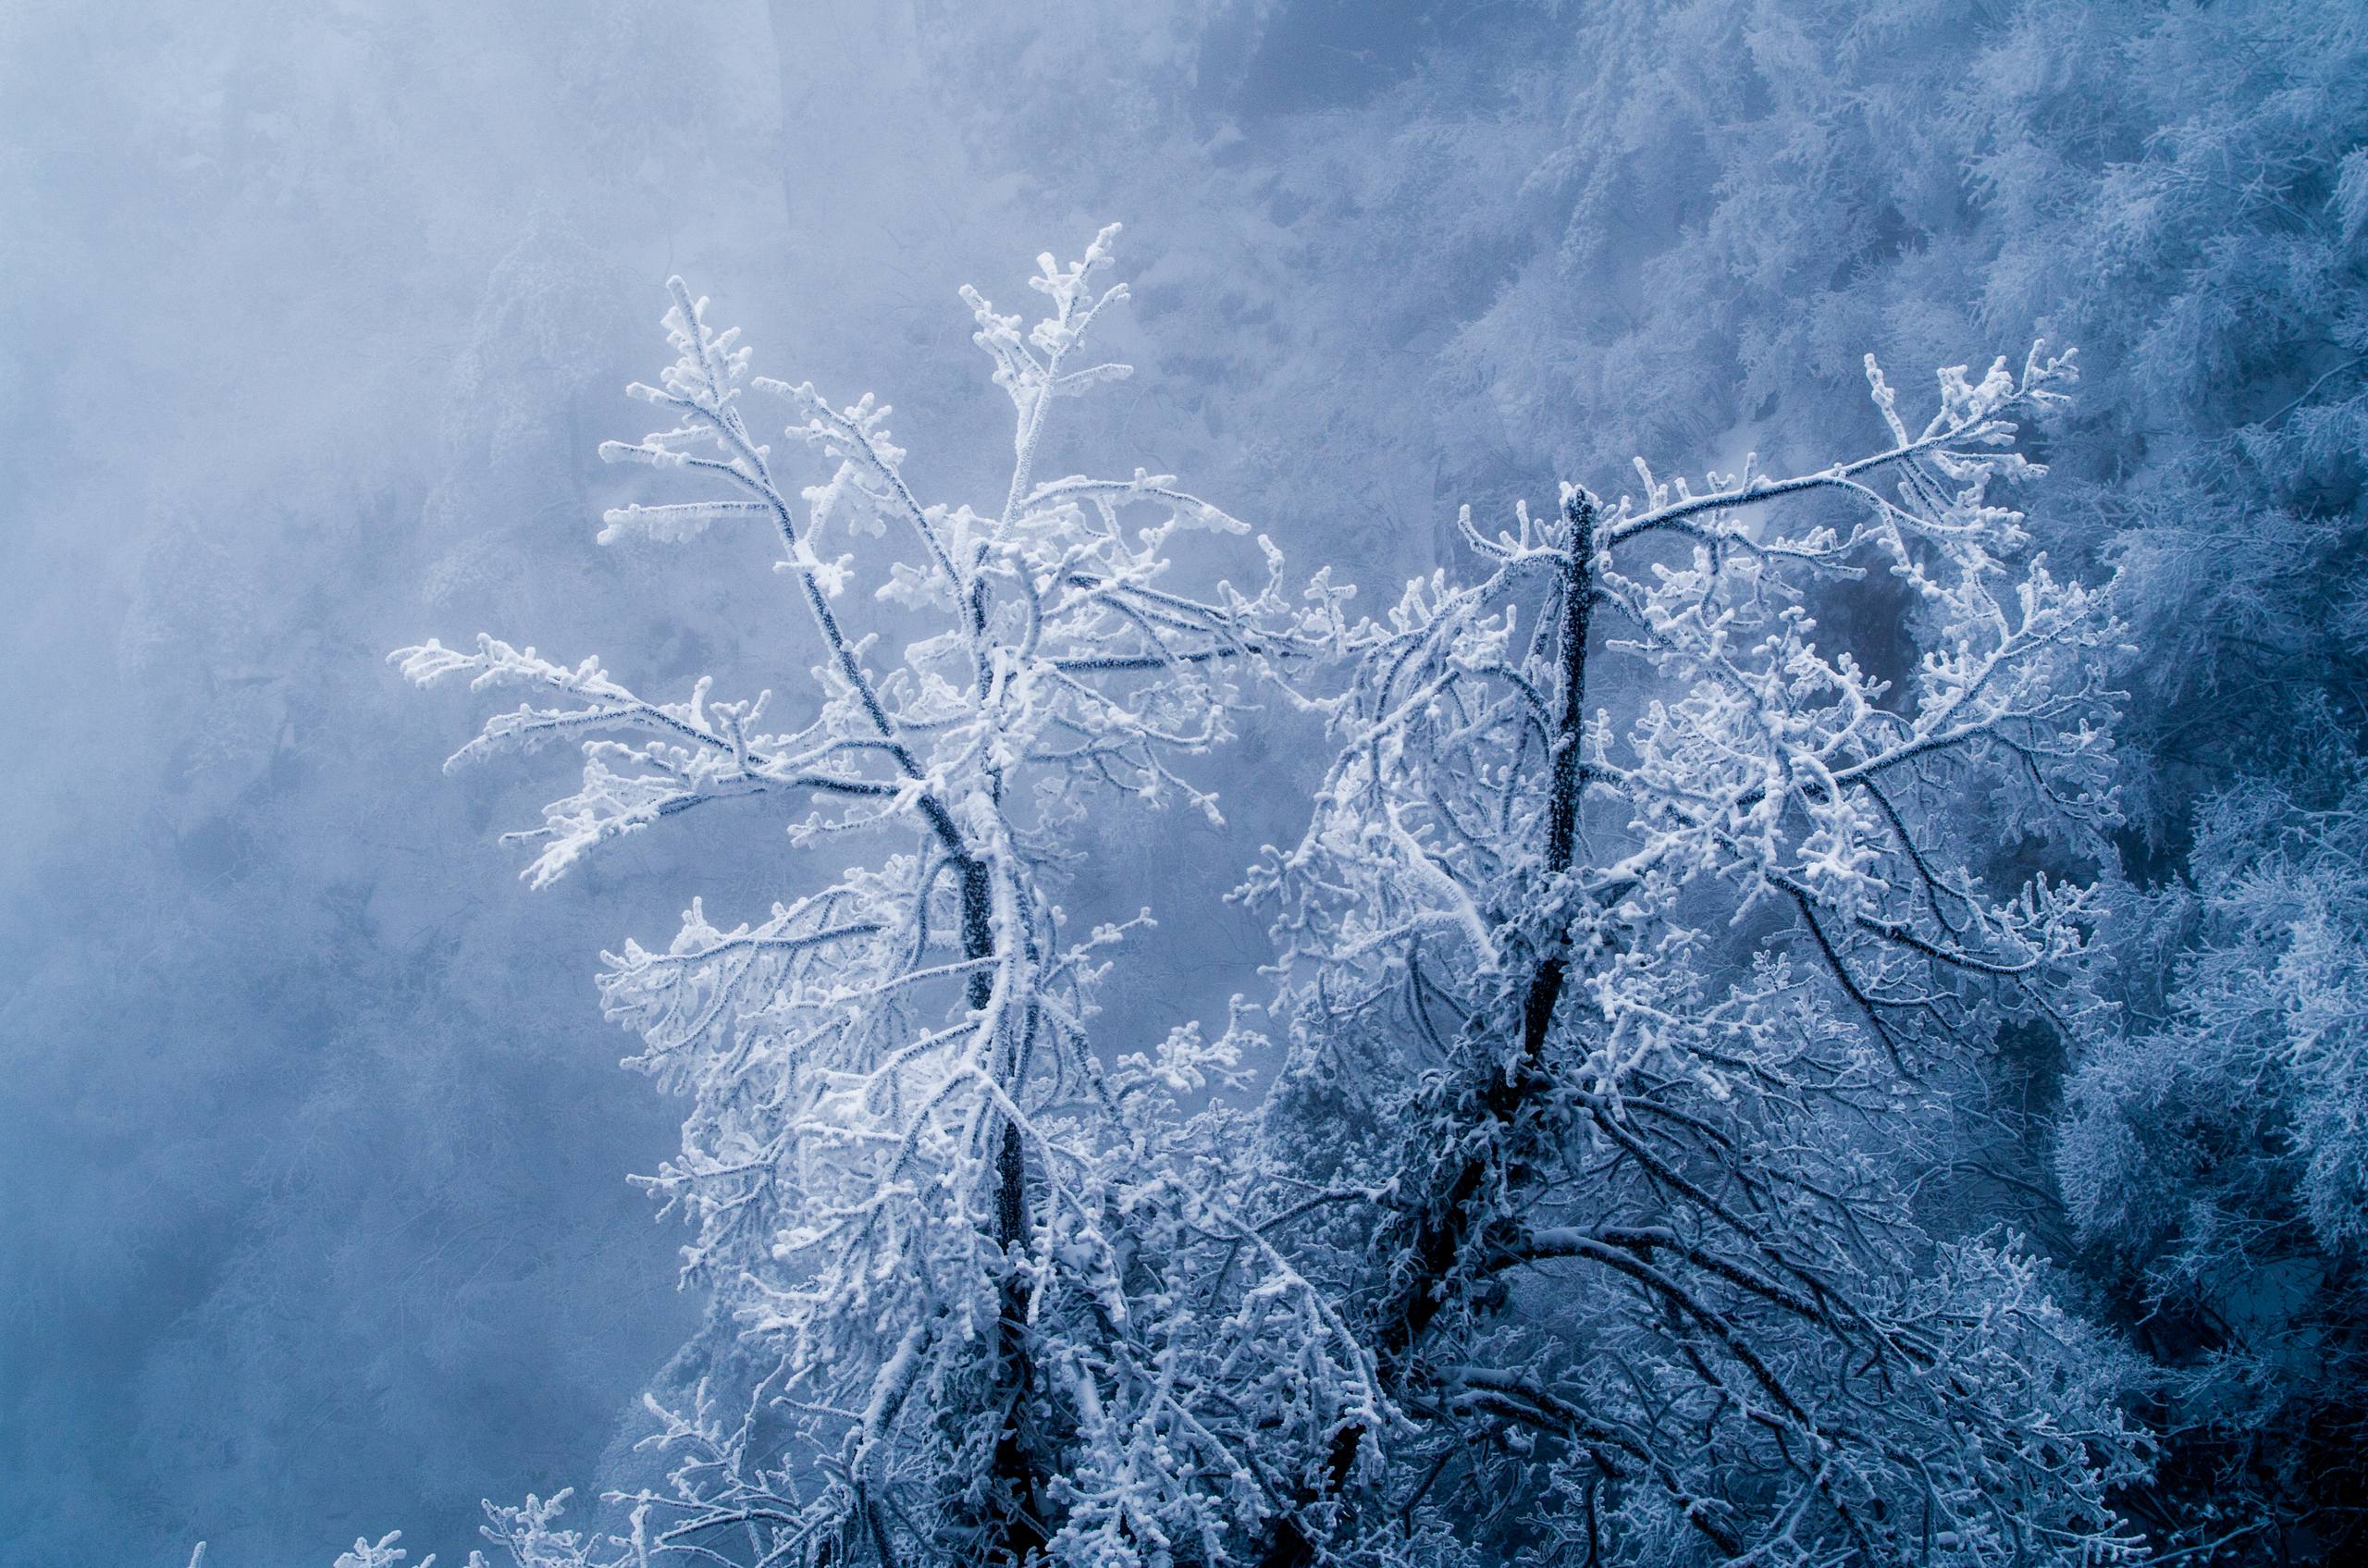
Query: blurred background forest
point(311, 1139)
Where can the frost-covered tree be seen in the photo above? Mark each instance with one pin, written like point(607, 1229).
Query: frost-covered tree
point(939, 1220)
point(2217, 1164)
point(1613, 1036)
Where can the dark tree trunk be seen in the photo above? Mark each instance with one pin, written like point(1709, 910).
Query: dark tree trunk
point(1438, 1230)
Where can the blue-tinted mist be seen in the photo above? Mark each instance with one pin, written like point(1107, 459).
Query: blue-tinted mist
point(313, 1143)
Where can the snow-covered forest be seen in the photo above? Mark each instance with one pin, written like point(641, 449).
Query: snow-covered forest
point(1533, 783)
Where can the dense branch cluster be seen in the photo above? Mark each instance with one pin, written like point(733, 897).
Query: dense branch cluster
point(2216, 1160)
point(1640, 933)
